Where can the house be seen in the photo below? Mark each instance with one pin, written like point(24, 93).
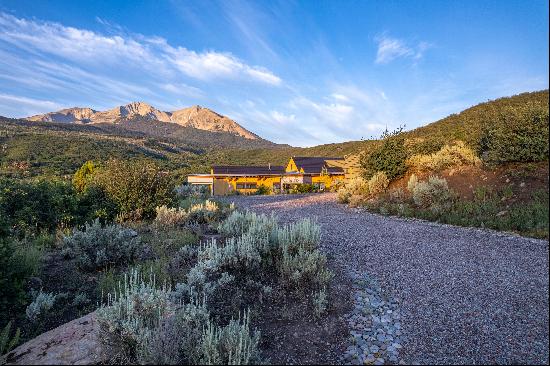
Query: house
point(351, 166)
point(223, 180)
point(318, 171)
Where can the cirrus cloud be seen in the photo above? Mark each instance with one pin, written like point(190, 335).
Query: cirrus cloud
point(390, 49)
point(151, 54)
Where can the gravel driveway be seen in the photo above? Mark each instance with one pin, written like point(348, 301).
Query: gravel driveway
point(469, 296)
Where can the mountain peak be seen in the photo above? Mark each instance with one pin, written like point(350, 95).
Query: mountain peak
point(137, 108)
point(196, 116)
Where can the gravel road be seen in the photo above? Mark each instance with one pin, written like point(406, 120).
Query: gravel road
point(469, 296)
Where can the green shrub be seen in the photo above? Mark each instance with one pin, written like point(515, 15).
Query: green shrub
point(137, 188)
point(19, 261)
point(7, 342)
point(94, 203)
point(84, 176)
point(99, 246)
point(378, 183)
point(518, 134)
point(532, 218)
point(166, 241)
point(302, 188)
point(37, 206)
point(262, 190)
point(433, 194)
point(389, 157)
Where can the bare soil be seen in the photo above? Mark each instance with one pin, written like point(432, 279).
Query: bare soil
point(292, 335)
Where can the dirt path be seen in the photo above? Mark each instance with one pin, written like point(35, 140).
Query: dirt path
point(467, 295)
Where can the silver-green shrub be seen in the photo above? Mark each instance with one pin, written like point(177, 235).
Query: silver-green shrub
point(188, 190)
point(233, 344)
point(42, 304)
point(433, 194)
point(131, 315)
point(355, 187)
point(168, 216)
point(143, 324)
point(204, 213)
point(304, 270)
point(238, 223)
point(101, 246)
point(413, 181)
point(320, 303)
point(302, 234)
point(178, 340)
point(378, 183)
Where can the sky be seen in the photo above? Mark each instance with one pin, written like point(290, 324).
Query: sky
point(297, 72)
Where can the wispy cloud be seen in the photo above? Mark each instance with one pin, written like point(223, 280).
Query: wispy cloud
point(282, 118)
point(29, 105)
point(391, 48)
point(153, 54)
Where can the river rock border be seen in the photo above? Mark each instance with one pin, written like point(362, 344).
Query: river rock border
point(376, 334)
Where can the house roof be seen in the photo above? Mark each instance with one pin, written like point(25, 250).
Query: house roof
point(247, 170)
point(315, 165)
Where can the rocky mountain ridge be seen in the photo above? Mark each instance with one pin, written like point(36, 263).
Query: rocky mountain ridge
point(196, 116)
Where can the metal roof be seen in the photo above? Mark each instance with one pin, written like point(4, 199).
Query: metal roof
point(247, 170)
point(315, 165)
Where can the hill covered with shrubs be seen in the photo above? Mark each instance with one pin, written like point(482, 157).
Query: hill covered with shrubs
point(486, 166)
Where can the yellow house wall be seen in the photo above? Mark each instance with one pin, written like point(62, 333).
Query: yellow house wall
point(328, 180)
point(291, 166)
point(226, 185)
point(352, 167)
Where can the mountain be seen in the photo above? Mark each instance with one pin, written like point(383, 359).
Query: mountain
point(196, 117)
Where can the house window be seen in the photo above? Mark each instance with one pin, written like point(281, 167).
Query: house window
point(246, 186)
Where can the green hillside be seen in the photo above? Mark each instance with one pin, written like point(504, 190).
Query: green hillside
point(56, 149)
point(473, 123)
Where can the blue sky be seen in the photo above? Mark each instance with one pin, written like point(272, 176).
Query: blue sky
point(296, 72)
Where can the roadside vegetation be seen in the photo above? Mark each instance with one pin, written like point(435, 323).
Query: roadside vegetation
point(175, 277)
point(485, 167)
